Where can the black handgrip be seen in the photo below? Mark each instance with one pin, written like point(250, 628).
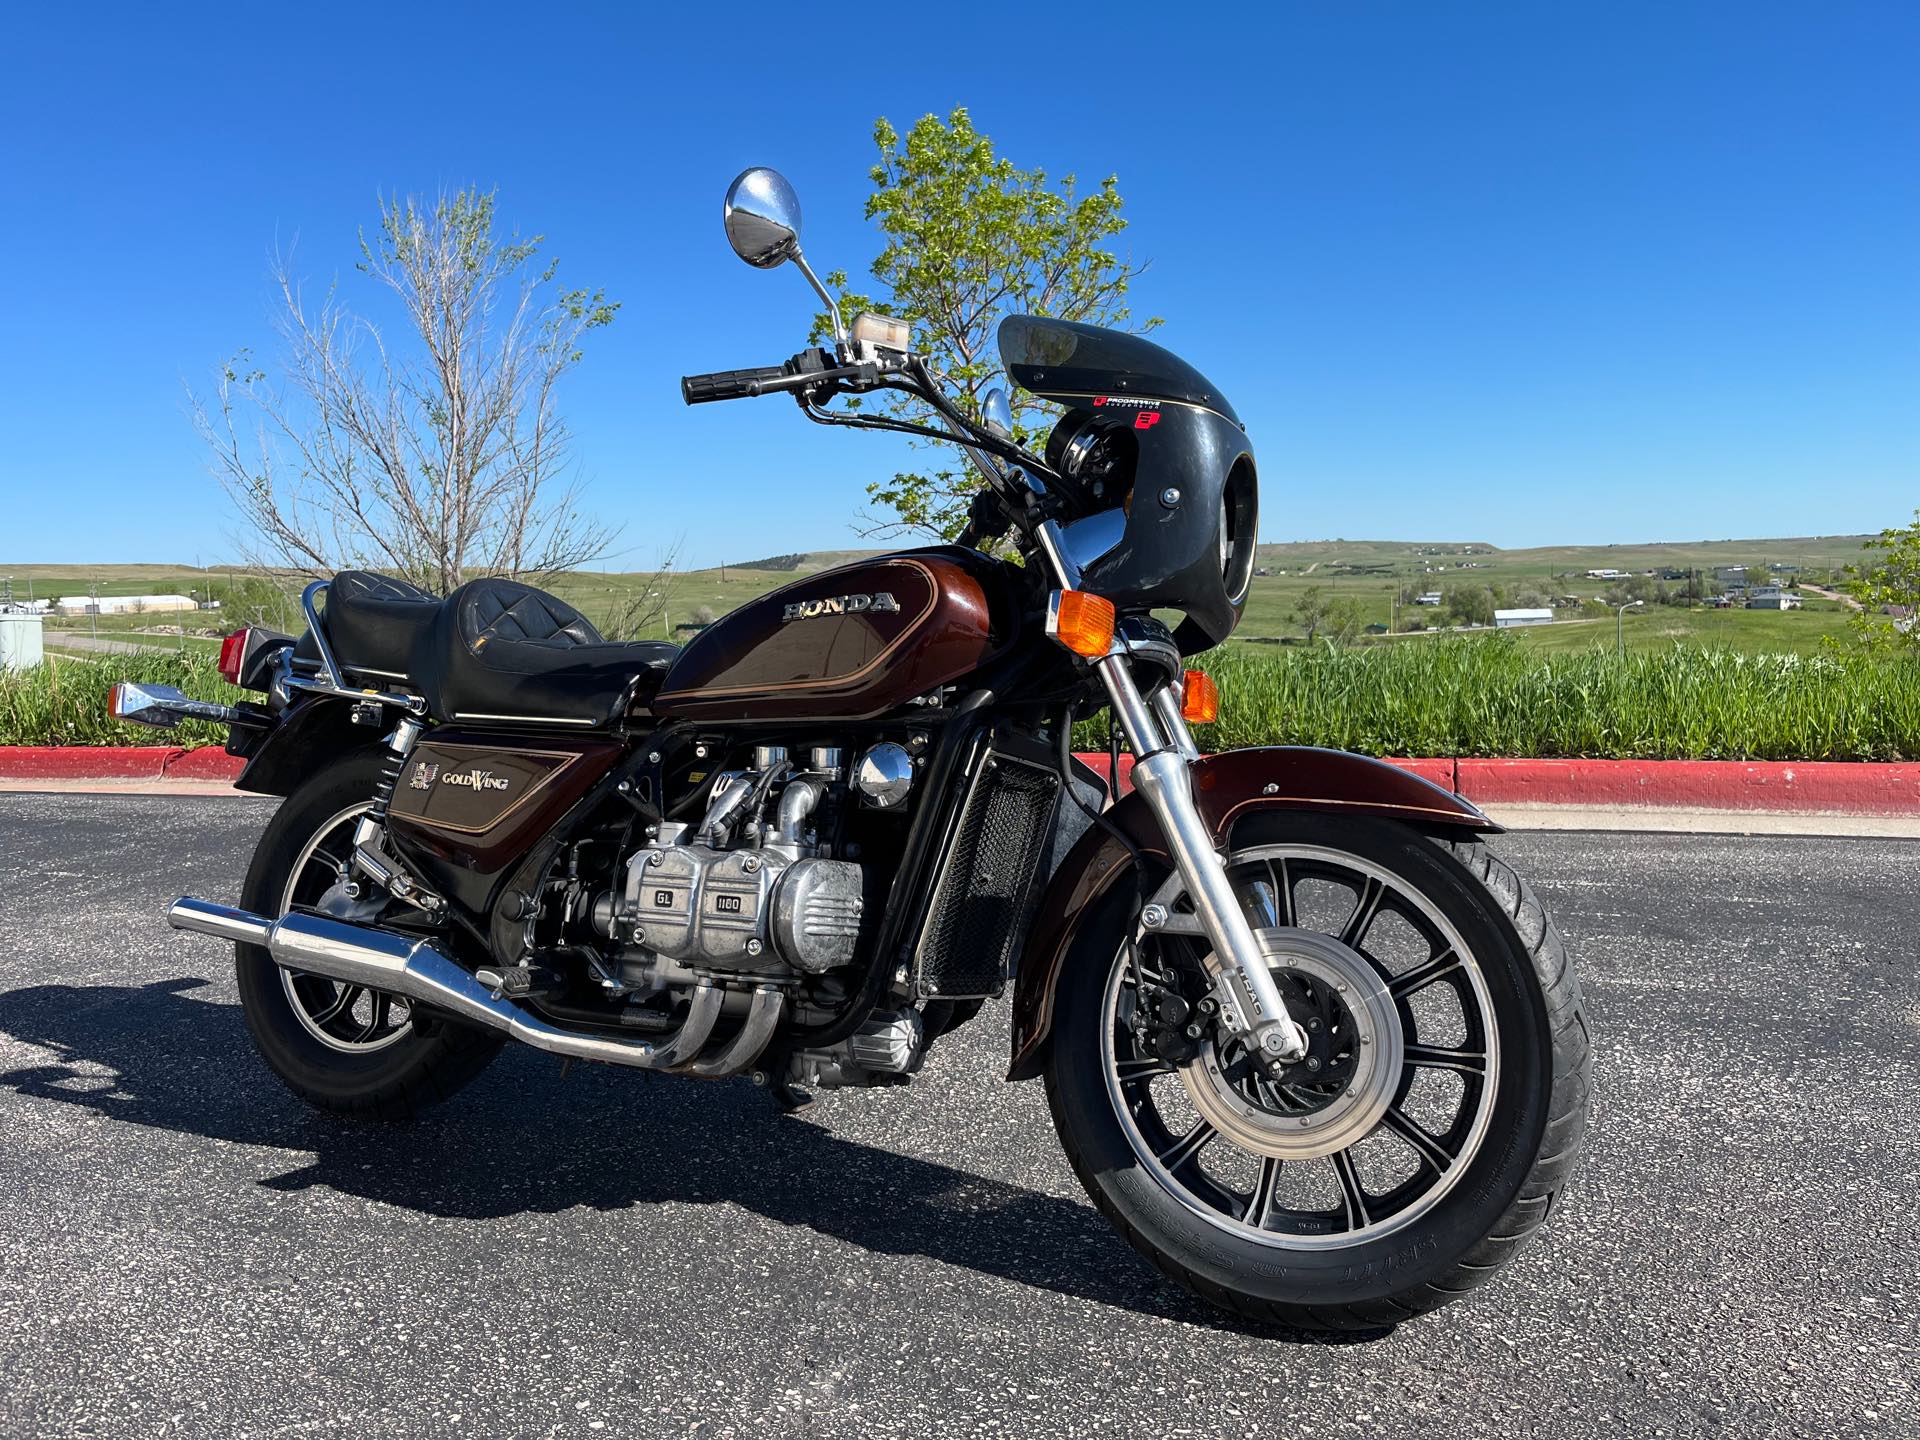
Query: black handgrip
point(727, 384)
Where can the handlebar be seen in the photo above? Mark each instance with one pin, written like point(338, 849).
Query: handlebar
point(728, 384)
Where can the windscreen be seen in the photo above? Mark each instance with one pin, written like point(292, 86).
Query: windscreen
point(1060, 359)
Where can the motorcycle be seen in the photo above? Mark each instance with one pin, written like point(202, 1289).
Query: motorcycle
point(1313, 1048)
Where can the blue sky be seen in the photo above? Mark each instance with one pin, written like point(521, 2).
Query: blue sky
point(1520, 273)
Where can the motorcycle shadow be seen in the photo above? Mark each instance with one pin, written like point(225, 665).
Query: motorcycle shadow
point(521, 1139)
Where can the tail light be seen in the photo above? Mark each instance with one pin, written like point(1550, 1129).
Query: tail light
point(1199, 698)
point(233, 654)
point(1082, 622)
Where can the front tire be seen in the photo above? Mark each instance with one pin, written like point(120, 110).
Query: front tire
point(1440, 1118)
point(343, 1050)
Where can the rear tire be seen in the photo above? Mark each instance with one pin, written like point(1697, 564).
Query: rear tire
point(1357, 1266)
point(411, 1065)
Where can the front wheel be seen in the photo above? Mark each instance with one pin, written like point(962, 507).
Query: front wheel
point(1424, 1135)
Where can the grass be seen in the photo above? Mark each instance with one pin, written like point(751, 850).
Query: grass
point(1468, 695)
point(64, 702)
point(1495, 695)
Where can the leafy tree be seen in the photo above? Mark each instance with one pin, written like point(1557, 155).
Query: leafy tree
point(971, 239)
point(1312, 612)
point(1758, 575)
point(433, 448)
point(1470, 604)
point(1889, 589)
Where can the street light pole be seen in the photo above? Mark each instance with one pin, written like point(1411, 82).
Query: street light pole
point(1620, 625)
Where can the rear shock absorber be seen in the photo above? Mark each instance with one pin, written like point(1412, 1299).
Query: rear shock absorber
point(370, 854)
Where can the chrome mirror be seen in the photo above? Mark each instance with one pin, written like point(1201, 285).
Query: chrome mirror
point(763, 226)
point(763, 218)
point(996, 413)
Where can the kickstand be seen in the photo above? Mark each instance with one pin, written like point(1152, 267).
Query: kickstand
point(785, 1098)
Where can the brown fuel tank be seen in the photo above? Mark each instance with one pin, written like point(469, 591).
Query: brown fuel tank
point(844, 644)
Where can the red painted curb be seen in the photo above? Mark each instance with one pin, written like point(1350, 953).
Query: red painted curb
point(116, 762)
point(209, 762)
point(1772, 785)
point(1780, 786)
point(85, 762)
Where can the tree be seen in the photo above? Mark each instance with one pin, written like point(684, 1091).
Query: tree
point(1889, 591)
point(1470, 604)
point(435, 449)
point(971, 239)
point(1313, 610)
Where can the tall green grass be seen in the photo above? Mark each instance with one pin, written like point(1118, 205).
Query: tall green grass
point(64, 702)
point(1491, 696)
point(1471, 696)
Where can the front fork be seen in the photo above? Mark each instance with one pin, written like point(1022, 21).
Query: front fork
point(1163, 749)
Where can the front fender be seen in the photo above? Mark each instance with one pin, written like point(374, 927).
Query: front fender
point(1226, 787)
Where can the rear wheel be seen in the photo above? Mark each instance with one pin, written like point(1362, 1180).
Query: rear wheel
point(341, 1048)
point(1421, 1139)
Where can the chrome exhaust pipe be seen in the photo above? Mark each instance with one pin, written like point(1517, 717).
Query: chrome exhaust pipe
point(420, 970)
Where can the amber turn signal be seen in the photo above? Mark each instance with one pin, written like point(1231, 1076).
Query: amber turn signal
point(1081, 622)
point(1199, 698)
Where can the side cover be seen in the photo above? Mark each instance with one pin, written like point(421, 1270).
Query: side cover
point(469, 804)
point(1226, 787)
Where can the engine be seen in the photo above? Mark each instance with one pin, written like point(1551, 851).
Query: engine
point(753, 895)
point(742, 895)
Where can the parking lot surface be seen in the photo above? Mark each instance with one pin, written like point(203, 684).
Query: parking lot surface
point(185, 1249)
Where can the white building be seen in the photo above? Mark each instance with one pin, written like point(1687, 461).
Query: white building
point(1606, 575)
point(1772, 597)
point(124, 604)
point(1508, 619)
point(1432, 597)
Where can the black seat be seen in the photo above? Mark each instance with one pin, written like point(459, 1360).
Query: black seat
point(374, 624)
point(502, 651)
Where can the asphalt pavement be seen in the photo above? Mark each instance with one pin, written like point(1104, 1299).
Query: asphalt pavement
point(186, 1250)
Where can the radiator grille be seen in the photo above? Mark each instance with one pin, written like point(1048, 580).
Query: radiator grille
point(987, 884)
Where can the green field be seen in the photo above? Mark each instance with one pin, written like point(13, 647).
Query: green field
point(1369, 573)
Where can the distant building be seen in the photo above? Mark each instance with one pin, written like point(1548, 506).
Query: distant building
point(123, 604)
point(1432, 597)
point(1772, 597)
point(1509, 619)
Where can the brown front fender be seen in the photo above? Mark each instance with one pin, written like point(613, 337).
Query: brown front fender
point(1227, 787)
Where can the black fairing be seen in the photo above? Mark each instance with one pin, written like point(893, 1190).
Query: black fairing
point(1188, 441)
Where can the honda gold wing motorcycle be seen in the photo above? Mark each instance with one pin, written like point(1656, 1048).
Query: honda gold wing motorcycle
point(1313, 1048)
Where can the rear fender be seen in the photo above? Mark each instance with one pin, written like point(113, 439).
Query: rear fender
point(309, 735)
point(1227, 787)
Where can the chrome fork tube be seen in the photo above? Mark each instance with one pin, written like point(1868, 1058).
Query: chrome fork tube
point(1251, 1004)
point(1174, 723)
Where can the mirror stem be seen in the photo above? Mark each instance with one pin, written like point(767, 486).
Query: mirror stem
point(833, 305)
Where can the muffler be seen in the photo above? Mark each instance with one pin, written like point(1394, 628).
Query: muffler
point(421, 971)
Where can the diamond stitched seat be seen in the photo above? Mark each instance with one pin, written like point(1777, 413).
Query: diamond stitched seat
point(504, 651)
point(374, 624)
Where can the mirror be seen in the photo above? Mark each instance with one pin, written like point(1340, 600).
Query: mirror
point(996, 413)
point(763, 218)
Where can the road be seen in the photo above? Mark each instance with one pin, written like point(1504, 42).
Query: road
point(186, 1250)
point(121, 643)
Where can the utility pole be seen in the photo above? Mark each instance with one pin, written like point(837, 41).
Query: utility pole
point(1620, 625)
point(93, 609)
